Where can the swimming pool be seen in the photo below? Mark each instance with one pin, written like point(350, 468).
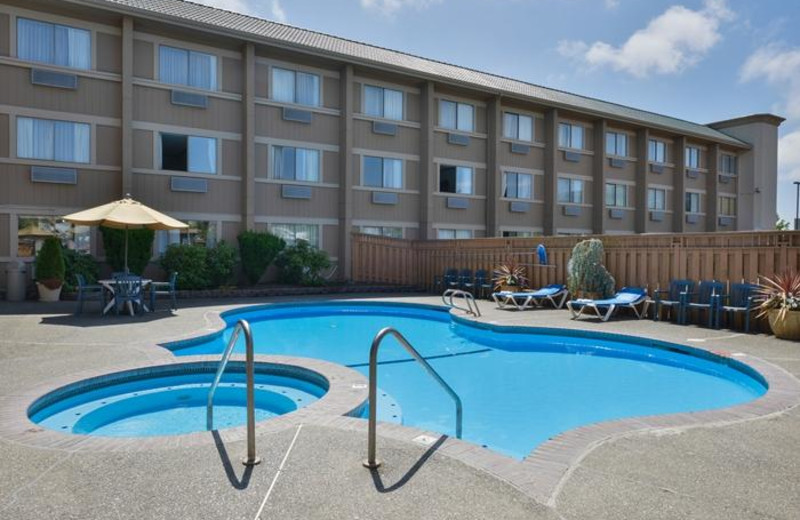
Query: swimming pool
point(519, 386)
point(171, 400)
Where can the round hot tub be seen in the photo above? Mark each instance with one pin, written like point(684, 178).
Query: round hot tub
point(172, 399)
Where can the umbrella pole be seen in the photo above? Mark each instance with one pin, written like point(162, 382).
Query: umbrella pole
point(126, 250)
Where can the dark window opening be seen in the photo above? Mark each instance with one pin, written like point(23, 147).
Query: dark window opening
point(174, 152)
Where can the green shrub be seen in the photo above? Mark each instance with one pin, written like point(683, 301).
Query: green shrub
point(190, 262)
point(78, 262)
point(221, 261)
point(50, 264)
point(302, 264)
point(586, 272)
point(258, 250)
point(140, 248)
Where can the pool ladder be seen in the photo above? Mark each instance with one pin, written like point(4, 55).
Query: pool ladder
point(241, 326)
point(469, 299)
point(371, 461)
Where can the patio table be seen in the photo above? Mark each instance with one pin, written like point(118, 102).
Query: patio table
point(110, 287)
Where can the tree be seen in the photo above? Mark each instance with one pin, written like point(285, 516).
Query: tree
point(782, 225)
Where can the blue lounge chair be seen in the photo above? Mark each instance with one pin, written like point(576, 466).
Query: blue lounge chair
point(166, 289)
point(705, 298)
point(671, 298)
point(88, 292)
point(628, 298)
point(555, 293)
point(742, 299)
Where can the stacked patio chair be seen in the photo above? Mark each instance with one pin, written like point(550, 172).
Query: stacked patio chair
point(705, 298)
point(464, 278)
point(87, 292)
point(441, 283)
point(671, 299)
point(742, 299)
point(166, 289)
point(128, 290)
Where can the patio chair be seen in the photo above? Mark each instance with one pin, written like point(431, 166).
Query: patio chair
point(127, 291)
point(627, 297)
point(483, 284)
point(464, 278)
point(441, 283)
point(87, 292)
point(472, 284)
point(672, 298)
point(555, 293)
point(705, 298)
point(166, 289)
point(740, 300)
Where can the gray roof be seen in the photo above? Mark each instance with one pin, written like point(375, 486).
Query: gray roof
point(250, 28)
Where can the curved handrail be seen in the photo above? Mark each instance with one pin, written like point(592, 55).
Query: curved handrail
point(472, 305)
point(241, 326)
point(373, 389)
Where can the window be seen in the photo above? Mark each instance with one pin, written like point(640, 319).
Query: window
point(727, 206)
point(692, 202)
point(453, 234)
point(517, 234)
point(384, 231)
point(617, 144)
point(456, 116)
point(656, 199)
point(295, 164)
point(188, 153)
point(570, 136)
point(33, 230)
point(517, 126)
point(199, 232)
point(380, 172)
point(190, 68)
point(692, 157)
point(518, 185)
point(289, 86)
point(55, 44)
point(50, 140)
point(570, 191)
point(383, 102)
point(657, 151)
point(616, 195)
point(728, 164)
point(455, 179)
point(291, 233)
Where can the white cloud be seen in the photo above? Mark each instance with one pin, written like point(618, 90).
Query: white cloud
point(278, 14)
point(789, 156)
point(673, 41)
point(272, 10)
point(389, 7)
point(611, 4)
point(238, 6)
point(779, 67)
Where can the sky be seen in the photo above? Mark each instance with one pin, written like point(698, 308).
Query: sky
point(700, 60)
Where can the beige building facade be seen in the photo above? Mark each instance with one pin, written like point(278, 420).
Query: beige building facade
point(232, 123)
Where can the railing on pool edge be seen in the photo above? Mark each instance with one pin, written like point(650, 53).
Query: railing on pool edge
point(241, 326)
point(472, 305)
point(371, 461)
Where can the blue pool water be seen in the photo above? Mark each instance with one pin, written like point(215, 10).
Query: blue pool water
point(172, 404)
point(518, 387)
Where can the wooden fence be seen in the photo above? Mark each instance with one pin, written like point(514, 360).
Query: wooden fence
point(649, 260)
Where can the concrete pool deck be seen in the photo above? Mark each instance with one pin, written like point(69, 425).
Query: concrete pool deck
point(746, 469)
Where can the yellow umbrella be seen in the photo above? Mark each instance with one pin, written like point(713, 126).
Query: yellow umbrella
point(125, 214)
point(33, 230)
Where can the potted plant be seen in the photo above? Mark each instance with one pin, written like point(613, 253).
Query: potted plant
point(509, 276)
point(50, 270)
point(587, 277)
point(781, 304)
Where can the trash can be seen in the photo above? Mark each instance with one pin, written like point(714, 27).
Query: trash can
point(15, 281)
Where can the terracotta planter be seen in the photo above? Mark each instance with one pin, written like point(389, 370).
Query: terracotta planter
point(510, 288)
point(48, 295)
point(786, 328)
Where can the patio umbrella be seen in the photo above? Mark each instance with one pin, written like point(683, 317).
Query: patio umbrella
point(33, 230)
point(125, 214)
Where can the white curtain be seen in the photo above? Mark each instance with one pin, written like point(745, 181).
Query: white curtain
point(64, 141)
point(524, 186)
point(307, 165)
point(510, 126)
point(564, 135)
point(35, 41)
point(465, 117)
point(393, 104)
point(392, 173)
point(202, 154)
point(202, 71)
point(447, 114)
point(282, 162)
point(525, 128)
point(73, 47)
point(464, 180)
point(373, 101)
point(173, 65)
point(25, 138)
point(283, 85)
point(445, 234)
point(307, 89)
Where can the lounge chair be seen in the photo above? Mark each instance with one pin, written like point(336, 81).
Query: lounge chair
point(555, 293)
point(628, 298)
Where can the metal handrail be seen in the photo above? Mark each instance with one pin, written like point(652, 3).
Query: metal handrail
point(472, 305)
point(241, 326)
point(371, 462)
